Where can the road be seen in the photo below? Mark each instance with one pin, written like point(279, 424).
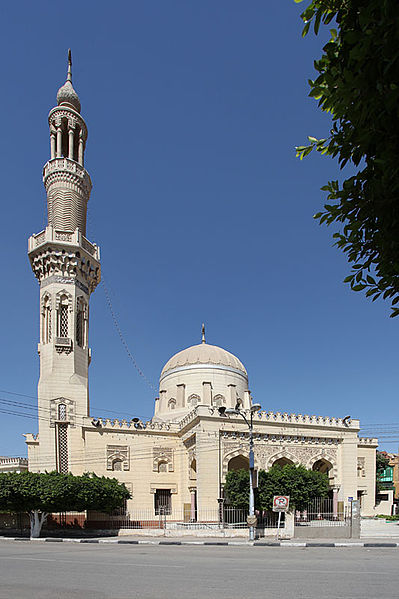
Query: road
point(69, 570)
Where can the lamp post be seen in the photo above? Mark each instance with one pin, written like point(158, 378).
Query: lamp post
point(254, 408)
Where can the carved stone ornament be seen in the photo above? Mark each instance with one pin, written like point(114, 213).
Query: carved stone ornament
point(170, 486)
point(46, 261)
point(162, 456)
point(266, 455)
point(118, 453)
point(70, 411)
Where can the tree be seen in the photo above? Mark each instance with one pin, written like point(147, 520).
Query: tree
point(40, 494)
point(236, 488)
point(300, 484)
point(358, 85)
point(381, 463)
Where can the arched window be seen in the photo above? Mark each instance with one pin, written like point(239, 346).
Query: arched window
point(172, 403)
point(46, 319)
point(162, 466)
point(218, 401)
point(117, 464)
point(81, 322)
point(193, 400)
point(62, 411)
point(62, 317)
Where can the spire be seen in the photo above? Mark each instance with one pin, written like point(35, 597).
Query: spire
point(203, 333)
point(69, 75)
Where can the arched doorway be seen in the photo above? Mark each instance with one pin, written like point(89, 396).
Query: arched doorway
point(239, 462)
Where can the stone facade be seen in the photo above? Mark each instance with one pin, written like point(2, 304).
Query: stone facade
point(184, 452)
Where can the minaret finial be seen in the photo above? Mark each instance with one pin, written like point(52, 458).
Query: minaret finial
point(69, 76)
point(203, 333)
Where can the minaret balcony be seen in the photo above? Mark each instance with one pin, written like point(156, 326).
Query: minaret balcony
point(66, 166)
point(66, 238)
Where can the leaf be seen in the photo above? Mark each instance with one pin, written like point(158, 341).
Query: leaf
point(306, 28)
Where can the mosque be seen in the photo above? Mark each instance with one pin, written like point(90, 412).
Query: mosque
point(179, 459)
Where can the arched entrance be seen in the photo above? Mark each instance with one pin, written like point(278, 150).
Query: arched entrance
point(283, 462)
point(325, 467)
point(239, 462)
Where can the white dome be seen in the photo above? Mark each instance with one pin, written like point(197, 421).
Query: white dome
point(202, 355)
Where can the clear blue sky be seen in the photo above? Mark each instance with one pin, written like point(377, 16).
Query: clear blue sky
point(200, 207)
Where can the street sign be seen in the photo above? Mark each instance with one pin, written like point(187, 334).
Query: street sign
point(281, 503)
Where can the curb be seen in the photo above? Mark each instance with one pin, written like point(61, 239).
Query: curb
point(203, 543)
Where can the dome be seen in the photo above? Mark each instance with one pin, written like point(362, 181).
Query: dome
point(203, 355)
point(67, 95)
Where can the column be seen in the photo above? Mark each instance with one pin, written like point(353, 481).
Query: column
point(81, 148)
point(59, 142)
point(70, 146)
point(53, 143)
point(335, 503)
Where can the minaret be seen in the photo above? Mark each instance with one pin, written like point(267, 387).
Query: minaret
point(67, 266)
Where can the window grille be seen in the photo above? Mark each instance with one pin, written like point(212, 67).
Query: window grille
point(79, 328)
point(117, 465)
point(163, 502)
point(162, 467)
point(63, 448)
point(62, 412)
point(63, 321)
point(48, 321)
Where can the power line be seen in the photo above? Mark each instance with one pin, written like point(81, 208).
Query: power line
point(122, 338)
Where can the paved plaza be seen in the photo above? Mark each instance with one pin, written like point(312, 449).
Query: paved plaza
point(110, 571)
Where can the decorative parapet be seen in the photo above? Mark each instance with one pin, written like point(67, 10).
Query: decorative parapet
point(279, 418)
point(302, 419)
point(14, 462)
point(367, 442)
point(129, 425)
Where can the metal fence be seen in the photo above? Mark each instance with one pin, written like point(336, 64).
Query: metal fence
point(226, 518)
point(323, 512)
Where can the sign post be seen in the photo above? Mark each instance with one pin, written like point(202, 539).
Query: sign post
point(280, 504)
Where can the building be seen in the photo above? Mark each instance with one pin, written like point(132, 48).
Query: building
point(180, 458)
point(13, 464)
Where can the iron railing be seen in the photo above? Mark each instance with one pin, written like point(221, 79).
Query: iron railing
point(323, 512)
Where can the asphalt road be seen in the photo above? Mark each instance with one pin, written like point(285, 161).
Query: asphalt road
point(63, 570)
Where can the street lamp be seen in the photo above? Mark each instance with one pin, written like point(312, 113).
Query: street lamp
point(254, 408)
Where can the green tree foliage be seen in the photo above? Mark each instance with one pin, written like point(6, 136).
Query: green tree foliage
point(236, 488)
point(381, 462)
point(300, 484)
point(358, 85)
point(41, 494)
